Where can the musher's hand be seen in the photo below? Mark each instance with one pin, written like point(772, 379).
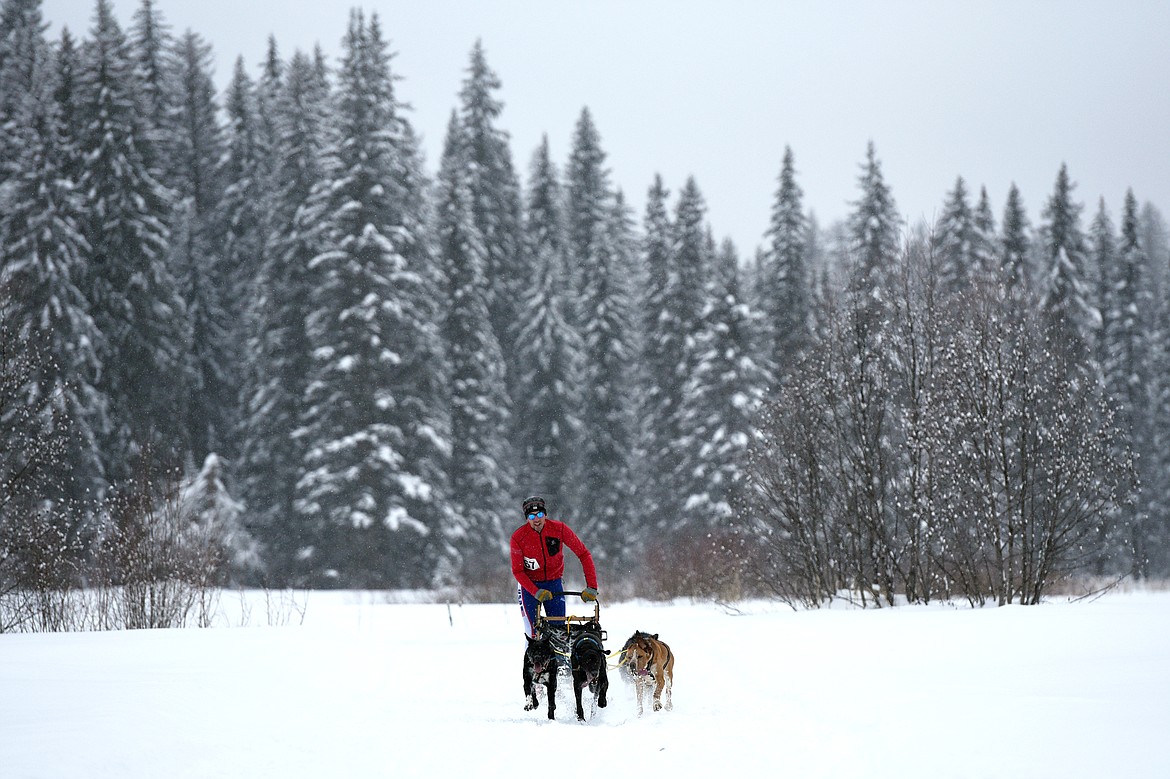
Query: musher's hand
point(589, 594)
point(543, 595)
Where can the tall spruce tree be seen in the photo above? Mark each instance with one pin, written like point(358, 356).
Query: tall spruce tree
point(720, 399)
point(134, 297)
point(1154, 234)
point(1015, 246)
point(658, 392)
point(681, 322)
point(496, 203)
point(1131, 312)
point(366, 334)
point(155, 68)
point(1070, 315)
point(549, 350)
point(425, 382)
point(197, 147)
point(874, 232)
point(22, 49)
point(608, 407)
point(1107, 296)
point(272, 455)
point(23, 52)
point(269, 90)
point(587, 197)
point(600, 261)
point(956, 242)
point(784, 279)
point(1153, 237)
point(984, 242)
point(480, 478)
point(197, 141)
point(1133, 357)
point(42, 254)
point(242, 217)
point(67, 97)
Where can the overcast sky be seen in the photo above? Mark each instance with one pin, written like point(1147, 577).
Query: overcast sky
point(997, 92)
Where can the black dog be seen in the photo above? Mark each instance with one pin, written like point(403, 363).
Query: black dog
point(587, 659)
point(540, 667)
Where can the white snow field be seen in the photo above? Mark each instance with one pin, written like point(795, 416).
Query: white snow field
point(365, 688)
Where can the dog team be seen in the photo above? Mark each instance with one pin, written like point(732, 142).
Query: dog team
point(538, 563)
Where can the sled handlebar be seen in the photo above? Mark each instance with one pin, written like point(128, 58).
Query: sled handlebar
point(570, 618)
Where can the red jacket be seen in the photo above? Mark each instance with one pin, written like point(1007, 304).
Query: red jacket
point(539, 557)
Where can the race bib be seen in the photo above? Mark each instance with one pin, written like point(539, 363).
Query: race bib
point(531, 564)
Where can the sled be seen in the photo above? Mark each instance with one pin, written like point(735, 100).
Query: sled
point(565, 631)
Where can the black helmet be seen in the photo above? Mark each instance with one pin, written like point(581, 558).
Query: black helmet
point(534, 503)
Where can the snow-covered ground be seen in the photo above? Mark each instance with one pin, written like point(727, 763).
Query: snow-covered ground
point(363, 688)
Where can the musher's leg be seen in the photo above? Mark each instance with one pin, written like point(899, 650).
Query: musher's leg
point(554, 607)
point(527, 610)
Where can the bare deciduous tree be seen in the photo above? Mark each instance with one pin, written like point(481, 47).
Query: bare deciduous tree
point(944, 452)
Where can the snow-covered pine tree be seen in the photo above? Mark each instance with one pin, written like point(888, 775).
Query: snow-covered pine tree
point(784, 289)
point(480, 477)
point(658, 393)
point(67, 97)
point(984, 243)
point(22, 46)
point(425, 387)
point(587, 198)
point(369, 341)
point(1015, 245)
point(496, 203)
point(1070, 317)
point(547, 422)
point(213, 523)
point(41, 304)
point(197, 146)
point(694, 263)
point(1105, 272)
point(1153, 236)
point(720, 399)
point(600, 260)
point(273, 402)
point(674, 342)
point(875, 237)
point(270, 87)
point(608, 406)
point(155, 68)
point(956, 229)
point(242, 218)
point(197, 141)
point(1132, 377)
point(133, 294)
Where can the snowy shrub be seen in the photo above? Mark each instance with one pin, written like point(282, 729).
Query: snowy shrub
point(165, 549)
point(40, 551)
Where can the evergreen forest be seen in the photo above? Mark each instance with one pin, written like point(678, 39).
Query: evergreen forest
point(258, 320)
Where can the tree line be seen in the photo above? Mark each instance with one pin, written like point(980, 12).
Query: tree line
point(366, 365)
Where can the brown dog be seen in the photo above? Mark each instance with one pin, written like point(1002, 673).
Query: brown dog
point(650, 659)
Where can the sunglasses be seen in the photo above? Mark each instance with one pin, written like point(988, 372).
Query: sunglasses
point(536, 515)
